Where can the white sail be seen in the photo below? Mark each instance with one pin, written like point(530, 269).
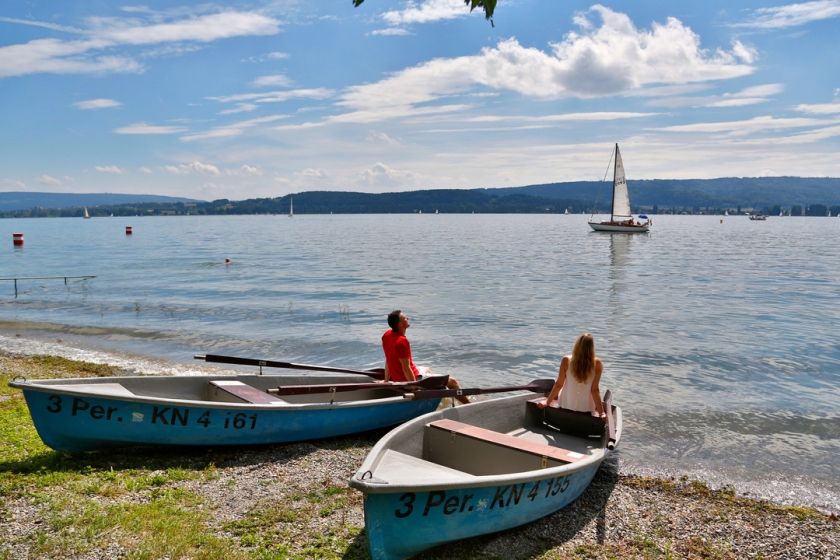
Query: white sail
point(291, 207)
point(621, 198)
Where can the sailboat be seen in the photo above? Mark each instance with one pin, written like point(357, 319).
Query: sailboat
point(621, 220)
point(87, 216)
point(291, 207)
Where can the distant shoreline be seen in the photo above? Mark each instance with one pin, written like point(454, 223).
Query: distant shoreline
point(817, 196)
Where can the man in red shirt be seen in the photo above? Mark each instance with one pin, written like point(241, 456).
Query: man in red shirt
point(398, 363)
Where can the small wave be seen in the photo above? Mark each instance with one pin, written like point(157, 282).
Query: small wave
point(130, 364)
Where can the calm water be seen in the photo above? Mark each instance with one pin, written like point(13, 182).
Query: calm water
point(719, 339)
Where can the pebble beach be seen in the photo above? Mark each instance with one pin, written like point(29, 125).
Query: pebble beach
point(292, 501)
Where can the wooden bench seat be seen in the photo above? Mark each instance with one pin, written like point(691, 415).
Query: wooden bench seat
point(480, 451)
point(228, 390)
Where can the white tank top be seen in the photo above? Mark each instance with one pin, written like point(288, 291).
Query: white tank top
point(576, 395)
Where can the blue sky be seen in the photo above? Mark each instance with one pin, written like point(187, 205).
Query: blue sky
point(255, 99)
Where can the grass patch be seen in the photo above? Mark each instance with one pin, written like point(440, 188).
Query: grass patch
point(329, 499)
point(170, 524)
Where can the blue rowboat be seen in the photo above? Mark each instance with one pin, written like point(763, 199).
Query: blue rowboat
point(84, 414)
point(478, 469)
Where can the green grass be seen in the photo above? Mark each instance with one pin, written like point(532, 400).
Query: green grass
point(167, 525)
point(93, 500)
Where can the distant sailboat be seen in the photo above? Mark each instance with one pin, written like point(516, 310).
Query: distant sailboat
point(87, 216)
point(566, 212)
point(621, 220)
point(291, 207)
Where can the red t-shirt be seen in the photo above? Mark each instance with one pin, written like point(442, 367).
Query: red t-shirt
point(396, 347)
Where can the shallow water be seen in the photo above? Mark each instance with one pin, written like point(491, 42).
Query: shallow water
point(718, 338)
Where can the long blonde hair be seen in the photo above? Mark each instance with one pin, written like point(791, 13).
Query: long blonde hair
point(582, 363)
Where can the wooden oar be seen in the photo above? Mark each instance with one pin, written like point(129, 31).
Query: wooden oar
point(537, 386)
point(610, 420)
point(378, 373)
point(432, 382)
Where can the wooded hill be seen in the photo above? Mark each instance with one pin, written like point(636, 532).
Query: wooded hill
point(793, 195)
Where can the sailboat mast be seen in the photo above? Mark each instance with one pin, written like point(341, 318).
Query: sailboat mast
point(615, 169)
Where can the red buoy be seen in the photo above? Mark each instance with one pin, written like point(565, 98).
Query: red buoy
point(17, 239)
point(128, 230)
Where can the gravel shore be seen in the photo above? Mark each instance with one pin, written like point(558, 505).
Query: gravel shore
point(304, 487)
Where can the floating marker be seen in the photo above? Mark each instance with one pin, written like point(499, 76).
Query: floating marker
point(17, 239)
point(128, 230)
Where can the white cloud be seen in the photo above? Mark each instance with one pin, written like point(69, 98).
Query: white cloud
point(105, 34)
point(391, 32)
point(382, 138)
point(748, 126)
point(240, 108)
point(60, 57)
point(426, 12)
point(791, 15)
point(276, 55)
point(12, 184)
point(204, 29)
point(193, 168)
point(381, 176)
point(146, 170)
point(230, 130)
point(820, 108)
point(96, 104)
point(747, 96)
point(611, 59)
point(245, 171)
point(111, 169)
point(275, 96)
point(313, 173)
point(143, 128)
point(275, 80)
point(566, 117)
point(49, 180)
point(42, 24)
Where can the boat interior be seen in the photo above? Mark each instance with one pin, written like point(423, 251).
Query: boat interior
point(233, 389)
point(464, 445)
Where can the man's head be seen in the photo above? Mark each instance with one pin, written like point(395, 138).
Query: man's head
point(398, 321)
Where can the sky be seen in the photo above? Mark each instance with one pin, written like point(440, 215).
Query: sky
point(266, 98)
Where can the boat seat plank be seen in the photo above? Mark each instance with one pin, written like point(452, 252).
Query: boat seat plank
point(104, 389)
point(223, 389)
point(399, 467)
point(505, 440)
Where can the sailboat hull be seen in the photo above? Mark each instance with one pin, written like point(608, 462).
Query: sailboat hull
point(618, 228)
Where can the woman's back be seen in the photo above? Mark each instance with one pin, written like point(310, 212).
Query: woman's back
point(577, 395)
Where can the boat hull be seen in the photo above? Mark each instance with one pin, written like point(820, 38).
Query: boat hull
point(616, 228)
point(425, 486)
point(402, 524)
point(81, 422)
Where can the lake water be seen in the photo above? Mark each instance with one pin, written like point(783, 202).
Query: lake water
point(719, 339)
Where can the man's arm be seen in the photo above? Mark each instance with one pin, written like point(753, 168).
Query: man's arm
point(406, 367)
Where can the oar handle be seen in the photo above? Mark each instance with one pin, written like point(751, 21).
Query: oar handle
point(375, 373)
point(431, 382)
point(537, 386)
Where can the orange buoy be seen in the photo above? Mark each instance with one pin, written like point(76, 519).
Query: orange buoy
point(17, 239)
point(128, 230)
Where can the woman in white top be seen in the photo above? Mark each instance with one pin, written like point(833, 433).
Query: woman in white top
point(579, 391)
